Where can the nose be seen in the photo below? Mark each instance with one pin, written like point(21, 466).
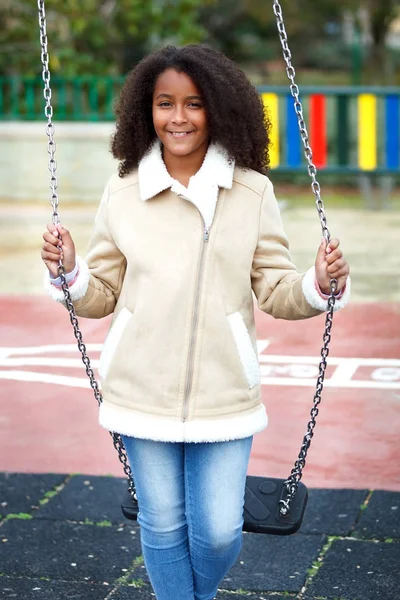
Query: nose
point(179, 115)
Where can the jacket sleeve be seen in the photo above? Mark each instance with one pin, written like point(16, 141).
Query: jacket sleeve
point(280, 289)
point(97, 287)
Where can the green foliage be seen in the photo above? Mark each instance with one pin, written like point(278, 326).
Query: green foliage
point(48, 495)
point(22, 516)
point(137, 583)
point(138, 561)
point(94, 36)
point(108, 37)
point(104, 524)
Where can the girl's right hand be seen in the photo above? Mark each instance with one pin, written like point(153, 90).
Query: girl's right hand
point(58, 244)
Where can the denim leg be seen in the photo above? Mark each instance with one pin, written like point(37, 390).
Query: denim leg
point(215, 477)
point(158, 470)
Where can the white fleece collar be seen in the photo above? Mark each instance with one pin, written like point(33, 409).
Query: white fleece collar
point(216, 171)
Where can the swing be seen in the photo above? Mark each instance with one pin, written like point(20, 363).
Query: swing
point(274, 506)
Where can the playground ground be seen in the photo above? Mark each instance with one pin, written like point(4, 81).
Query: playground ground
point(48, 425)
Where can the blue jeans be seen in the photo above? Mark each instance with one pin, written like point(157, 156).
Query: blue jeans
point(191, 498)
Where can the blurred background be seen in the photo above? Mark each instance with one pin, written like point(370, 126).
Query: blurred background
point(347, 59)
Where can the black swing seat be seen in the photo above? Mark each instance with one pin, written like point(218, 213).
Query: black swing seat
point(261, 506)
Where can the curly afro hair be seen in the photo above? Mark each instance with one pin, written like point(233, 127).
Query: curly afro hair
point(235, 113)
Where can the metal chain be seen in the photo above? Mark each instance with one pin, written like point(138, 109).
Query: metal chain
point(296, 474)
point(294, 90)
point(51, 149)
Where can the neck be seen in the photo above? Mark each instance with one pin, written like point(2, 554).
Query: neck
point(182, 168)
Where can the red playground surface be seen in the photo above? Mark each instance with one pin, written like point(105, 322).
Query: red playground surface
point(48, 419)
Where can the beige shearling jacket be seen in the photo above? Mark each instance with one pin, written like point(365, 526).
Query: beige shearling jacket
point(177, 268)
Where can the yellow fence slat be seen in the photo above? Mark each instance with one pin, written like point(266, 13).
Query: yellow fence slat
point(367, 132)
point(271, 101)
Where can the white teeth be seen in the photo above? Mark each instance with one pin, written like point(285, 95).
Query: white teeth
point(180, 134)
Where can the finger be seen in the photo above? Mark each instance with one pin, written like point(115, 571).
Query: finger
point(333, 244)
point(53, 250)
point(321, 253)
point(51, 239)
point(48, 247)
point(342, 272)
point(50, 256)
point(66, 236)
point(334, 255)
point(341, 282)
point(53, 229)
point(336, 266)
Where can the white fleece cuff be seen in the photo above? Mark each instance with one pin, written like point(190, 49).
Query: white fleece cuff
point(77, 290)
point(311, 294)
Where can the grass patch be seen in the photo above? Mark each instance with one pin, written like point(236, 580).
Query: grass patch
point(138, 562)
point(22, 516)
point(137, 583)
point(319, 561)
point(54, 492)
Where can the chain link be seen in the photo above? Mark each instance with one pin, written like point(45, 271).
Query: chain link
point(296, 474)
point(51, 149)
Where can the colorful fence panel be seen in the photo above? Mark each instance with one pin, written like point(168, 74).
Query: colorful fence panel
point(271, 102)
point(318, 130)
point(367, 132)
point(351, 130)
point(392, 127)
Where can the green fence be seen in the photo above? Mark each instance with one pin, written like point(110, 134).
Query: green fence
point(352, 129)
point(74, 99)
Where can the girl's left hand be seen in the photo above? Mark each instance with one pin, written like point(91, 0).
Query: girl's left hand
point(330, 264)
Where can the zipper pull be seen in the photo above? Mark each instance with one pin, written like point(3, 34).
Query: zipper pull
point(206, 234)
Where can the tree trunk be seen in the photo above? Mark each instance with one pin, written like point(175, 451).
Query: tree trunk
point(379, 64)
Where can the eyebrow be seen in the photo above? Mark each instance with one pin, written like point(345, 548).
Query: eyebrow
point(170, 96)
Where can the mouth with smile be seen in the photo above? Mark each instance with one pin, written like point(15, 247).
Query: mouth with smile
point(179, 134)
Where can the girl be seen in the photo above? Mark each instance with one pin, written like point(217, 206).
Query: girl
point(185, 231)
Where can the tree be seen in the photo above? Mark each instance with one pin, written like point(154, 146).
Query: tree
point(308, 22)
point(380, 15)
point(94, 36)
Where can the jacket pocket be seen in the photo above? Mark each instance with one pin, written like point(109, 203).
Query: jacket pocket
point(245, 349)
point(112, 340)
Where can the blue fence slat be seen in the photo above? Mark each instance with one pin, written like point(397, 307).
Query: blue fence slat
point(392, 126)
point(293, 157)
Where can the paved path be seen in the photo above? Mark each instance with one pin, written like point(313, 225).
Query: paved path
point(62, 537)
point(49, 417)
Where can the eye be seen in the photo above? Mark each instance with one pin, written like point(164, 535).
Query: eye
point(196, 105)
point(165, 103)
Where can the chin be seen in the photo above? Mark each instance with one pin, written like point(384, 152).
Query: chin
point(180, 151)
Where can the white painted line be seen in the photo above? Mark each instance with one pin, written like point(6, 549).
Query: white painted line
point(45, 378)
point(365, 384)
point(46, 349)
point(331, 360)
point(262, 345)
point(300, 371)
point(344, 371)
point(386, 374)
point(69, 363)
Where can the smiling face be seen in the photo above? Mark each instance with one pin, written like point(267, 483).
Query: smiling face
point(179, 117)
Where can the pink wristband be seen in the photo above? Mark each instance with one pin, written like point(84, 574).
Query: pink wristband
point(326, 296)
point(70, 283)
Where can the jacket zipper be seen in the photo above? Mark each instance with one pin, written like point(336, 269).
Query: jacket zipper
point(193, 327)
